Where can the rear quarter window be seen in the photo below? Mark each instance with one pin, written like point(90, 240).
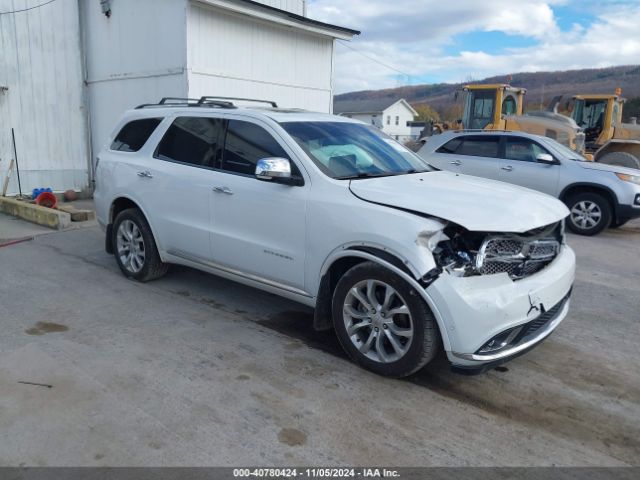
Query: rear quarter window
point(135, 134)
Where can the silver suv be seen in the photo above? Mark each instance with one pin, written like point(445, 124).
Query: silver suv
point(598, 196)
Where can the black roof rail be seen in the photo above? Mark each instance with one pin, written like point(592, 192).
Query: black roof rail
point(480, 130)
point(186, 102)
point(165, 100)
point(208, 99)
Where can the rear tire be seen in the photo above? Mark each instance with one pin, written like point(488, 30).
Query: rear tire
point(135, 248)
point(382, 322)
point(590, 213)
point(621, 159)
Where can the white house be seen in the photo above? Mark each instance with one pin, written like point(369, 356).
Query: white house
point(69, 68)
point(419, 129)
point(390, 115)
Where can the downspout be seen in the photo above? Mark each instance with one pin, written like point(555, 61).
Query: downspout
point(333, 53)
point(86, 104)
point(186, 64)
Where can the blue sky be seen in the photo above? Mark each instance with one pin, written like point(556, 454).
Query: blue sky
point(432, 41)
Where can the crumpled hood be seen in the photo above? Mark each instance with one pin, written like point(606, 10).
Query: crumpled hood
point(475, 203)
point(608, 168)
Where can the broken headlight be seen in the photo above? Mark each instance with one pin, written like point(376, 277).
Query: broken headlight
point(456, 254)
point(463, 253)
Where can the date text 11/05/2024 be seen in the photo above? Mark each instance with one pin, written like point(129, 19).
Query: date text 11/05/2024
point(316, 473)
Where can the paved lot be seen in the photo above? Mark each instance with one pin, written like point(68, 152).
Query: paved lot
point(195, 370)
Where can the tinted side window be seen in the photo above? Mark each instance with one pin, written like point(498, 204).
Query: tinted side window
point(450, 147)
point(245, 144)
point(523, 149)
point(192, 140)
point(484, 146)
point(135, 134)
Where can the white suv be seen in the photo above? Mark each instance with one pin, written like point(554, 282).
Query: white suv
point(398, 258)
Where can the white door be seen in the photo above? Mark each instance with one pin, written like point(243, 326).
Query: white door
point(258, 227)
point(174, 179)
point(520, 166)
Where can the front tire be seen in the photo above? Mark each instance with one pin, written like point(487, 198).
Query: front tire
point(135, 248)
point(590, 213)
point(619, 222)
point(382, 322)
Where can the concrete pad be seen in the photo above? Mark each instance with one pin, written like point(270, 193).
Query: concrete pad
point(13, 228)
point(77, 215)
point(47, 217)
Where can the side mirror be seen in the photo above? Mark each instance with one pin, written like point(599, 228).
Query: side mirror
point(276, 170)
point(546, 158)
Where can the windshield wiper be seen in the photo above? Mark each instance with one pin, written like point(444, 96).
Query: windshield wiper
point(377, 175)
point(366, 175)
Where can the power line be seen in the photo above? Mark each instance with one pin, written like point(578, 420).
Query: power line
point(27, 9)
point(374, 59)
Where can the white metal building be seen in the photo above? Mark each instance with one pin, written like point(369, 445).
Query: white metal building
point(392, 116)
point(71, 67)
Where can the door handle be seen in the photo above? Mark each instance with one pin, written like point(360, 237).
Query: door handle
point(508, 168)
point(145, 174)
point(225, 190)
point(457, 163)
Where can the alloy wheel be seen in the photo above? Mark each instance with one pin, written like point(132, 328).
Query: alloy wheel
point(586, 214)
point(130, 246)
point(378, 321)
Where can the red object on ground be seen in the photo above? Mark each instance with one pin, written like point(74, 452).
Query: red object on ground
point(47, 199)
point(70, 196)
point(15, 242)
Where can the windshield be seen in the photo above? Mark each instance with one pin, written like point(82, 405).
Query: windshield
point(590, 113)
point(479, 108)
point(346, 150)
point(565, 152)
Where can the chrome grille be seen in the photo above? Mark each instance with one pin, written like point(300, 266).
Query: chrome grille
point(518, 257)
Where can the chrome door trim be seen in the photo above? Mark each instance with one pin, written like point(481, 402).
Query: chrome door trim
point(239, 273)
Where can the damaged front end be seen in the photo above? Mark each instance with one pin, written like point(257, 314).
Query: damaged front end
point(463, 253)
point(499, 294)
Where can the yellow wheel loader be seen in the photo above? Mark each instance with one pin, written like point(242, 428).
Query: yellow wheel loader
point(607, 139)
point(595, 128)
point(500, 107)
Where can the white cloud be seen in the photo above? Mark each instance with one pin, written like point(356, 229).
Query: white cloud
point(411, 36)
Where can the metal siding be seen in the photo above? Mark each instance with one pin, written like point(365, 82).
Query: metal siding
point(136, 56)
point(142, 36)
point(41, 64)
point(236, 55)
point(293, 6)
